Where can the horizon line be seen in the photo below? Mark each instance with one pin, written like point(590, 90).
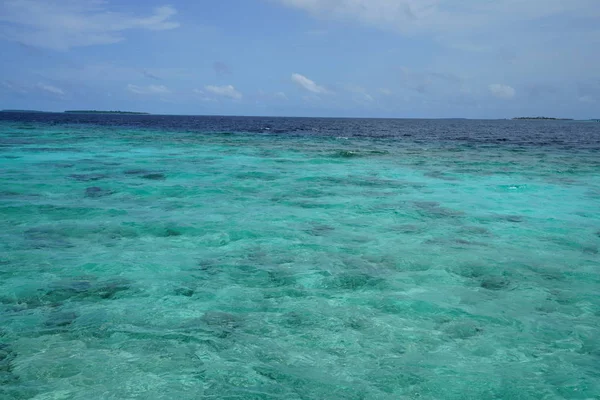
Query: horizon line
point(143, 113)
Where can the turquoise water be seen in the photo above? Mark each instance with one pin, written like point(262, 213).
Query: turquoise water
point(141, 263)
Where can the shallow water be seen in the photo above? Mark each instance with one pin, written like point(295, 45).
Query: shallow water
point(298, 259)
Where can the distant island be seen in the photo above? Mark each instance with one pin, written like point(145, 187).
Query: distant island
point(546, 118)
point(24, 111)
point(104, 112)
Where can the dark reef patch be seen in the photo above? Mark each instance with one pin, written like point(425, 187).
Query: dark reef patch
point(432, 209)
point(88, 177)
point(155, 176)
point(96, 192)
point(60, 319)
point(46, 238)
point(495, 282)
point(440, 175)
point(85, 289)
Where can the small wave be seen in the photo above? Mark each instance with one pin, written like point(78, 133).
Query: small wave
point(347, 154)
point(357, 153)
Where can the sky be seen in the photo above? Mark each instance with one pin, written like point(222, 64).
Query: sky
point(339, 58)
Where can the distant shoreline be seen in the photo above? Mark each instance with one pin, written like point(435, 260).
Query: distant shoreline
point(543, 118)
point(27, 111)
point(104, 112)
point(75, 112)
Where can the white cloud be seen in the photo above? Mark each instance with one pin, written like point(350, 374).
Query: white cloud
point(224, 91)
point(150, 89)
point(50, 89)
point(502, 91)
point(307, 84)
point(360, 94)
point(508, 35)
point(26, 87)
point(202, 95)
point(410, 16)
point(385, 91)
point(280, 96)
point(383, 13)
point(63, 24)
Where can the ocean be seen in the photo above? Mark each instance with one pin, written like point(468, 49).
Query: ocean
point(162, 257)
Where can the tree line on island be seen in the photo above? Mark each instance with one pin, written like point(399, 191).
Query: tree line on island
point(545, 118)
point(104, 112)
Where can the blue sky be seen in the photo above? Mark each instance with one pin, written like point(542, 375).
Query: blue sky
point(368, 58)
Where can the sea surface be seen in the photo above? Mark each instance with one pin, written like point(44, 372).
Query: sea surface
point(167, 257)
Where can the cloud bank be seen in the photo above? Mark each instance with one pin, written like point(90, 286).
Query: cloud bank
point(414, 16)
point(64, 24)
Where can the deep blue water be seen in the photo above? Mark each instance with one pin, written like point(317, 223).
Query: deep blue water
point(568, 134)
point(161, 257)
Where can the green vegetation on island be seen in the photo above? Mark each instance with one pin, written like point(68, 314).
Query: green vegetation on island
point(544, 118)
point(104, 112)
